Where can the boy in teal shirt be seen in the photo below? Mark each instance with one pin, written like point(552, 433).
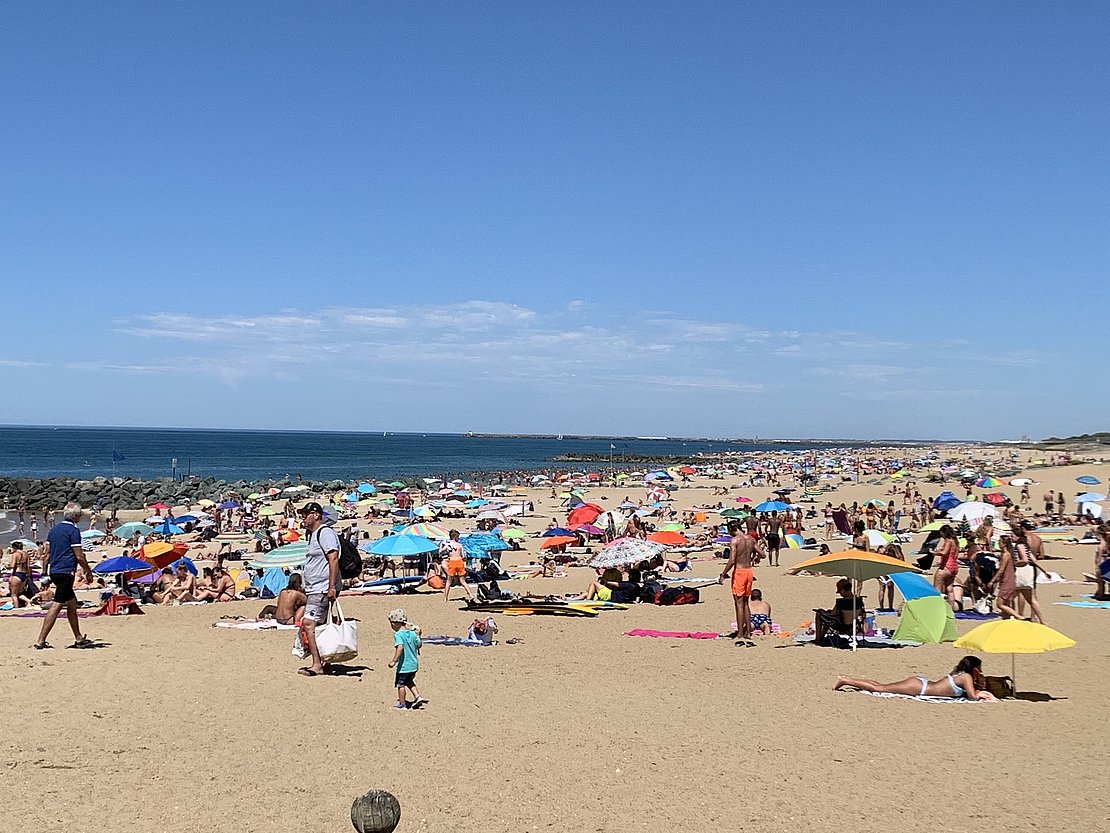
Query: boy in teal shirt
point(406, 658)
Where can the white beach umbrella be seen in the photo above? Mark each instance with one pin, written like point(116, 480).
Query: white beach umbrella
point(973, 512)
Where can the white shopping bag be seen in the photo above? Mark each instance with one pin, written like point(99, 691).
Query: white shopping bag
point(337, 638)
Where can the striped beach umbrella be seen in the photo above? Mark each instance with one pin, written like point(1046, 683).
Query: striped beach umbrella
point(427, 530)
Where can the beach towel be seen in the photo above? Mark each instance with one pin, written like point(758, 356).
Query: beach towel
point(1088, 605)
point(673, 634)
point(864, 641)
point(454, 640)
point(975, 615)
point(922, 698)
point(118, 605)
point(687, 580)
point(247, 625)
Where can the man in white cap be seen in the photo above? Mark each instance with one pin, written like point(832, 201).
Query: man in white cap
point(321, 580)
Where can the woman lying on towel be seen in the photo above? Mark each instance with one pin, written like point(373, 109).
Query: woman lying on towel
point(965, 682)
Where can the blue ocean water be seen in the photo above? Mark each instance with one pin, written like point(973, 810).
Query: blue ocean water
point(262, 455)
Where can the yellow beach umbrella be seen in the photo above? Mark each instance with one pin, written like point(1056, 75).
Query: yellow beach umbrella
point(1013, 636)
point(858, 565)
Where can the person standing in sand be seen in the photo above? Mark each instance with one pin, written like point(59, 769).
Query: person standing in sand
point(321, 579)
point(65, 555)
point(456, 566)
point(20, 578)
point(741, 550)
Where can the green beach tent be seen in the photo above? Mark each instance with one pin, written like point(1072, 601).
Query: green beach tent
point(926, 615)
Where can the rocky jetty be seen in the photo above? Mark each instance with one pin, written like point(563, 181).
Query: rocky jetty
point(122, 493)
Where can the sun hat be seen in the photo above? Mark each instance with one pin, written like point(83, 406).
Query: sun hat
point(397, 616)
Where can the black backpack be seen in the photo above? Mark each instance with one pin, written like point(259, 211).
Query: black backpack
point(350, 561)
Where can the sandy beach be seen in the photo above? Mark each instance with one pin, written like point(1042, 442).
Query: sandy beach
point(178, 725)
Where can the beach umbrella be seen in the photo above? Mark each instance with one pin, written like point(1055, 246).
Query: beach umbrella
point(557, 541)
point(1087, 480)
point(857, 565)
point(427, 530)
point(160, 506)
point(366, 488)
point(988, 483)
point(290, 556)
point(514, 533)
point(926, 616)
point(733, 513)
point(874, 502)
point(476, 502)
point(490, 515)
point(161, 553)
point(92, 534)
point(587, 513)
point(170, 529)
point(186, 562)
point(557, 531)
point(627, 551)
point(1090, 497)
point(995, 498)
point(771, 506)
point(481, 544)
point(794, 541)
point(254, 496)
point(670, 539)
point(743, 499)
point(877, 539)
point(589, 529)
point(229, 504)
point(131, 527)
point(1013, 636)
point(945, 501)
point(401, 545)
point(932, 526)
point(973, 512)
point(121, 564)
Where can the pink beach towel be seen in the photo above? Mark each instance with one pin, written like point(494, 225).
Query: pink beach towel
point(673, 634)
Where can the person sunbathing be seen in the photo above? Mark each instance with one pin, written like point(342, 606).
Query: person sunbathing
point(760, 612)
point(220, 589)
point(602, 588)
point(161, 586)
point(182, 589)
point(290, 603)
point(966, 681)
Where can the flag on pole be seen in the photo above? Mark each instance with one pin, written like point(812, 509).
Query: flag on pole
point(611, 446)
point(116, 456)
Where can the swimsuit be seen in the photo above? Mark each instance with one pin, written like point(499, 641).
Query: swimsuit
point(742, 578)
point(19, 575)
point(760, 619)
point(957, 691)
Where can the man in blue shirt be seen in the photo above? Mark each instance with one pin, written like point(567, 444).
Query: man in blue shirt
point(65, 554)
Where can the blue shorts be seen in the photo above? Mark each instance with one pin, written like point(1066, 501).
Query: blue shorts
point(404, 679)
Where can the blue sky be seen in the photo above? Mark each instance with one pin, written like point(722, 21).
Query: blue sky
point(722, 219)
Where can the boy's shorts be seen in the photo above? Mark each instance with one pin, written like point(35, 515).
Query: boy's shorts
point(404, 679)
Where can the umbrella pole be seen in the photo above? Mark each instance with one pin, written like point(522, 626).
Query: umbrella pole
point(1013, 673)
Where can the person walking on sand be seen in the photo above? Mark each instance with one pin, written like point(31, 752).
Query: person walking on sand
point(456, 566)
point(741, 551)
point(65, 555)
point(321, 579)
point(406, 659)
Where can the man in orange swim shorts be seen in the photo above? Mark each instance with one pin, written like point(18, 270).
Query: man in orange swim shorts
point(456, 566)
point(741, 550)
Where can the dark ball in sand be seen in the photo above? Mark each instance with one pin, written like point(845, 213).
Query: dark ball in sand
point(375, 812)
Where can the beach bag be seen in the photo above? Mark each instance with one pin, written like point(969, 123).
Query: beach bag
point(1023, 577)
point(337, 638)
point(678, 596)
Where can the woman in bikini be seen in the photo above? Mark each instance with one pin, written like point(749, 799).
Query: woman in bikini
point(947, 564)
point(20, 578)
point(290, 603)
point(965, 682)
point(183, 589)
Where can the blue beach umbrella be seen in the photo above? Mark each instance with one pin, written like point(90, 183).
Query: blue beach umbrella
point(401, 545)
point(366, 488)
point(1086, 497)
point(90, 534)
point(229, 504)
point(771, 506)
point(550, 533)
point(185, 560)
point(945, 501)
point(1087, 480)
point(481, 544)
point(121, 564)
